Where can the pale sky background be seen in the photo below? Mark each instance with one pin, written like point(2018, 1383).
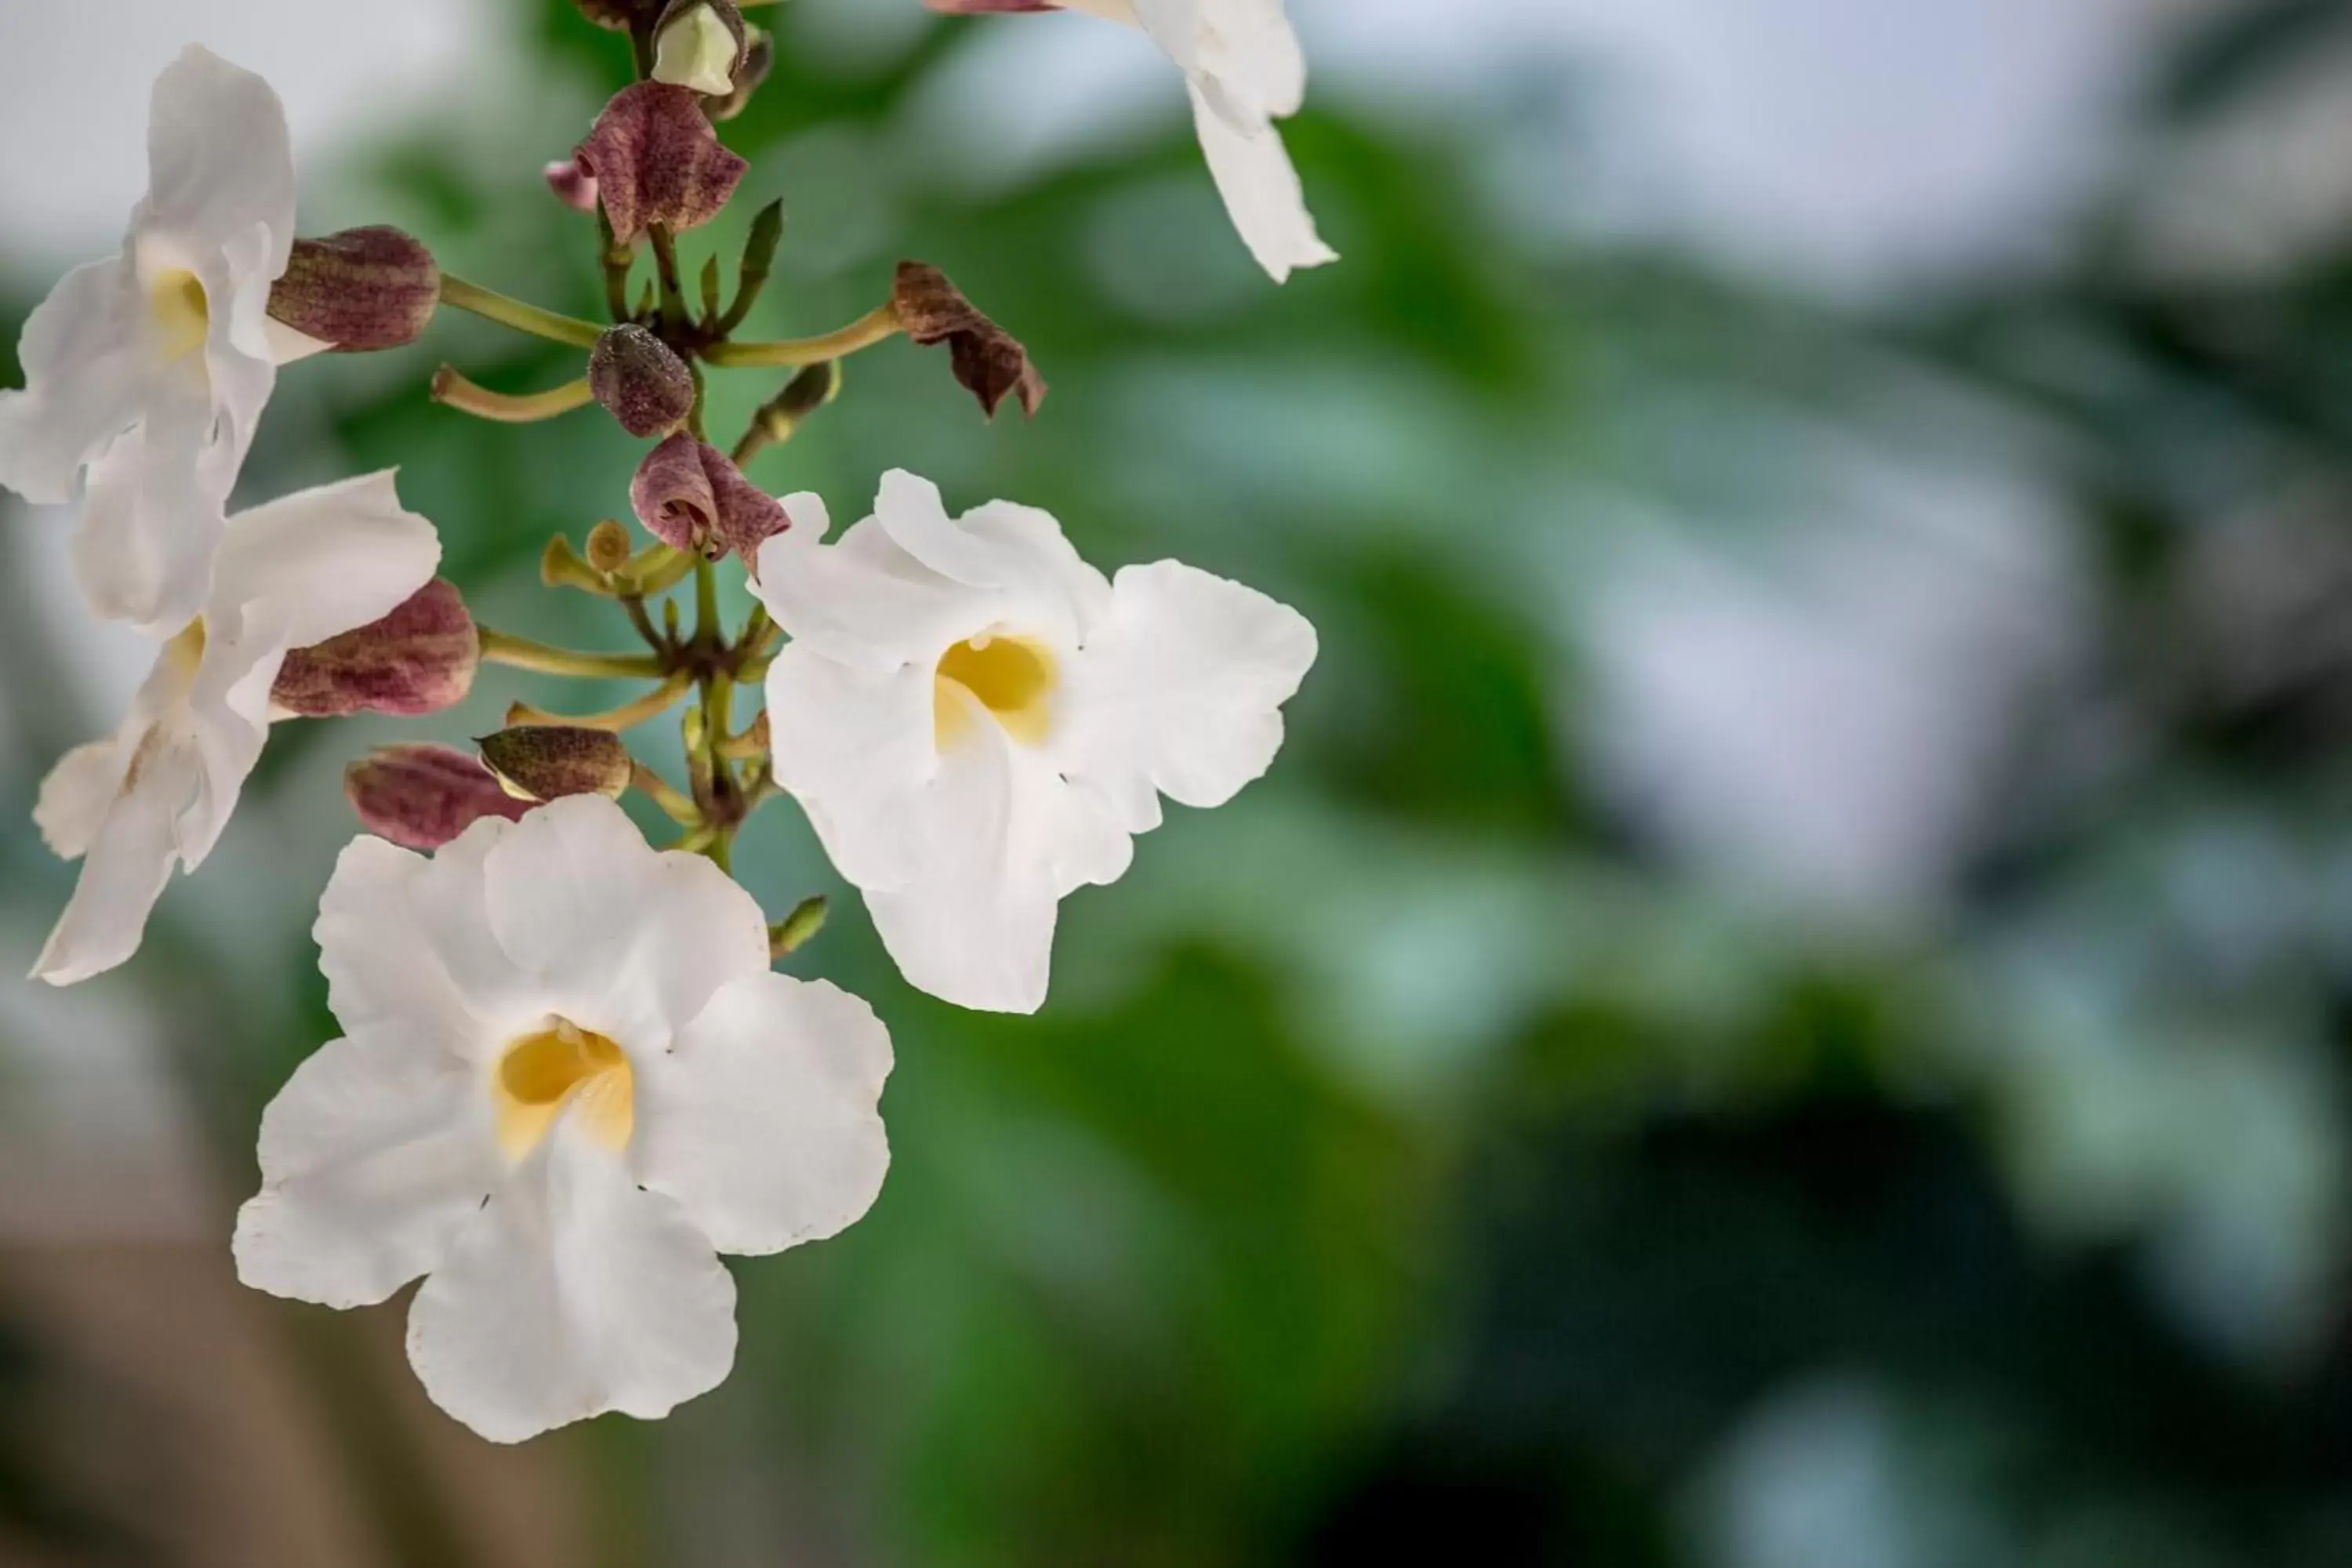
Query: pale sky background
point(1844, 142)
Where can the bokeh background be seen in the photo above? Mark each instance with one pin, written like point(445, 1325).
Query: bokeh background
point(1787, 1005)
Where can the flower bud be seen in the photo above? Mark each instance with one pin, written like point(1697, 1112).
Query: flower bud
point(640, 382)
point(797, 930)
point(692, 496)
point(989, 361)
point(609, 546)
point(547, 762)
point(655, 159)
point(421, 797)
point(418, 660)
point(699, 44)
point(574, 188)
point(759, 59)
point(362, 288)
point(618, 15)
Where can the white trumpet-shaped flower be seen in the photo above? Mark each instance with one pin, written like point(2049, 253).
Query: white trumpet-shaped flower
point(158, 792)
point(1243, 67)
point(977, 721)
point(149, 370)
point(568, 1080)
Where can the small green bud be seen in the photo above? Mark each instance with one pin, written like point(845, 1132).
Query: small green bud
point(796, 929)
point(548, 762)
point(609, 546)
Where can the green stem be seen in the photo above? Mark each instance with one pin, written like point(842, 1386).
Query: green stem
point(877, 325)
point(521, 653)
point(627, 716)
point(451, 387)
point(494, 306)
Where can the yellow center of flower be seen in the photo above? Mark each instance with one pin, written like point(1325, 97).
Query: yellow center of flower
point(1013, 678)
point(186, 651)
point(563, 1067)
point(182, 318)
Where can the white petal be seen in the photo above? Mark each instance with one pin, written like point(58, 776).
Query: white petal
point(764, 1122)
point(1261, 189)
point(405, 943)
point(219, 161)
point(573, 1291)
point(1250, 46)
point(373, 1156)
point(976, 927)
point(865, 601)
point(77, 793)
point(1181, 690)
point(87, 367)
point(636, 941)
point(857, 746)
point(323, 562)
point(129, 859)
point(1016, 553)
point(155, 513)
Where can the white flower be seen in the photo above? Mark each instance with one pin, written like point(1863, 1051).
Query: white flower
point(976, 721)
point(567, 1081)
point(151, 369)
point(290, 574)
point(1243, 67)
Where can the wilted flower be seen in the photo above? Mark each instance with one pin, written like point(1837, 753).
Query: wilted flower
point(693, 497)
point(291, 574)
point(1243, 68)
point(976, 720)
point(655, 160)
point(567, 1081)
point(990, 362)
point(421, 797)
point(149, 368)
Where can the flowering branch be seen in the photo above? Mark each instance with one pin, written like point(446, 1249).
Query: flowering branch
point(493, 306)
point(878, 325)
point(521, 653)
point(451, 386)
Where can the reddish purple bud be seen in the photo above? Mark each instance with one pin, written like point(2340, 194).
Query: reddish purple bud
point(990, 8)
point(548, 762)
point(574, 188)
point(418, 660)
point(640, 382)
point(421, 797)
point(655, 159)
point(691, 496)
point(989, 361)
point(619, 15)
point(362, 288)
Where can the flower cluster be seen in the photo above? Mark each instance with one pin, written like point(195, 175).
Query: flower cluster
point(569, 1076)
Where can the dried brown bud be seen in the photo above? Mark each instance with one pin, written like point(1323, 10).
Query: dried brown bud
point(699, 44)
point(421, 797)
point(655, 159)
point(418, 660)
point(640, 382)
point(362, 288)
point(573, 187)
point(619, 15)
point(989, 361)
point(759, 59)
point(547, 762)
point(609, 546)
point(693, 498)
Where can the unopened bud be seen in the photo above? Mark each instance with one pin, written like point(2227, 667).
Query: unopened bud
point(692, 496)
point(421, 797)
point(699, 44)
point(655, 160)
point(418, 660)
point(759, 59)
point(572, 186)
point(362, 288)
point(989, 361)
point(640, 382)
point(796, 929)
point(609, 546)
point(618, 15)
point(547, 762)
